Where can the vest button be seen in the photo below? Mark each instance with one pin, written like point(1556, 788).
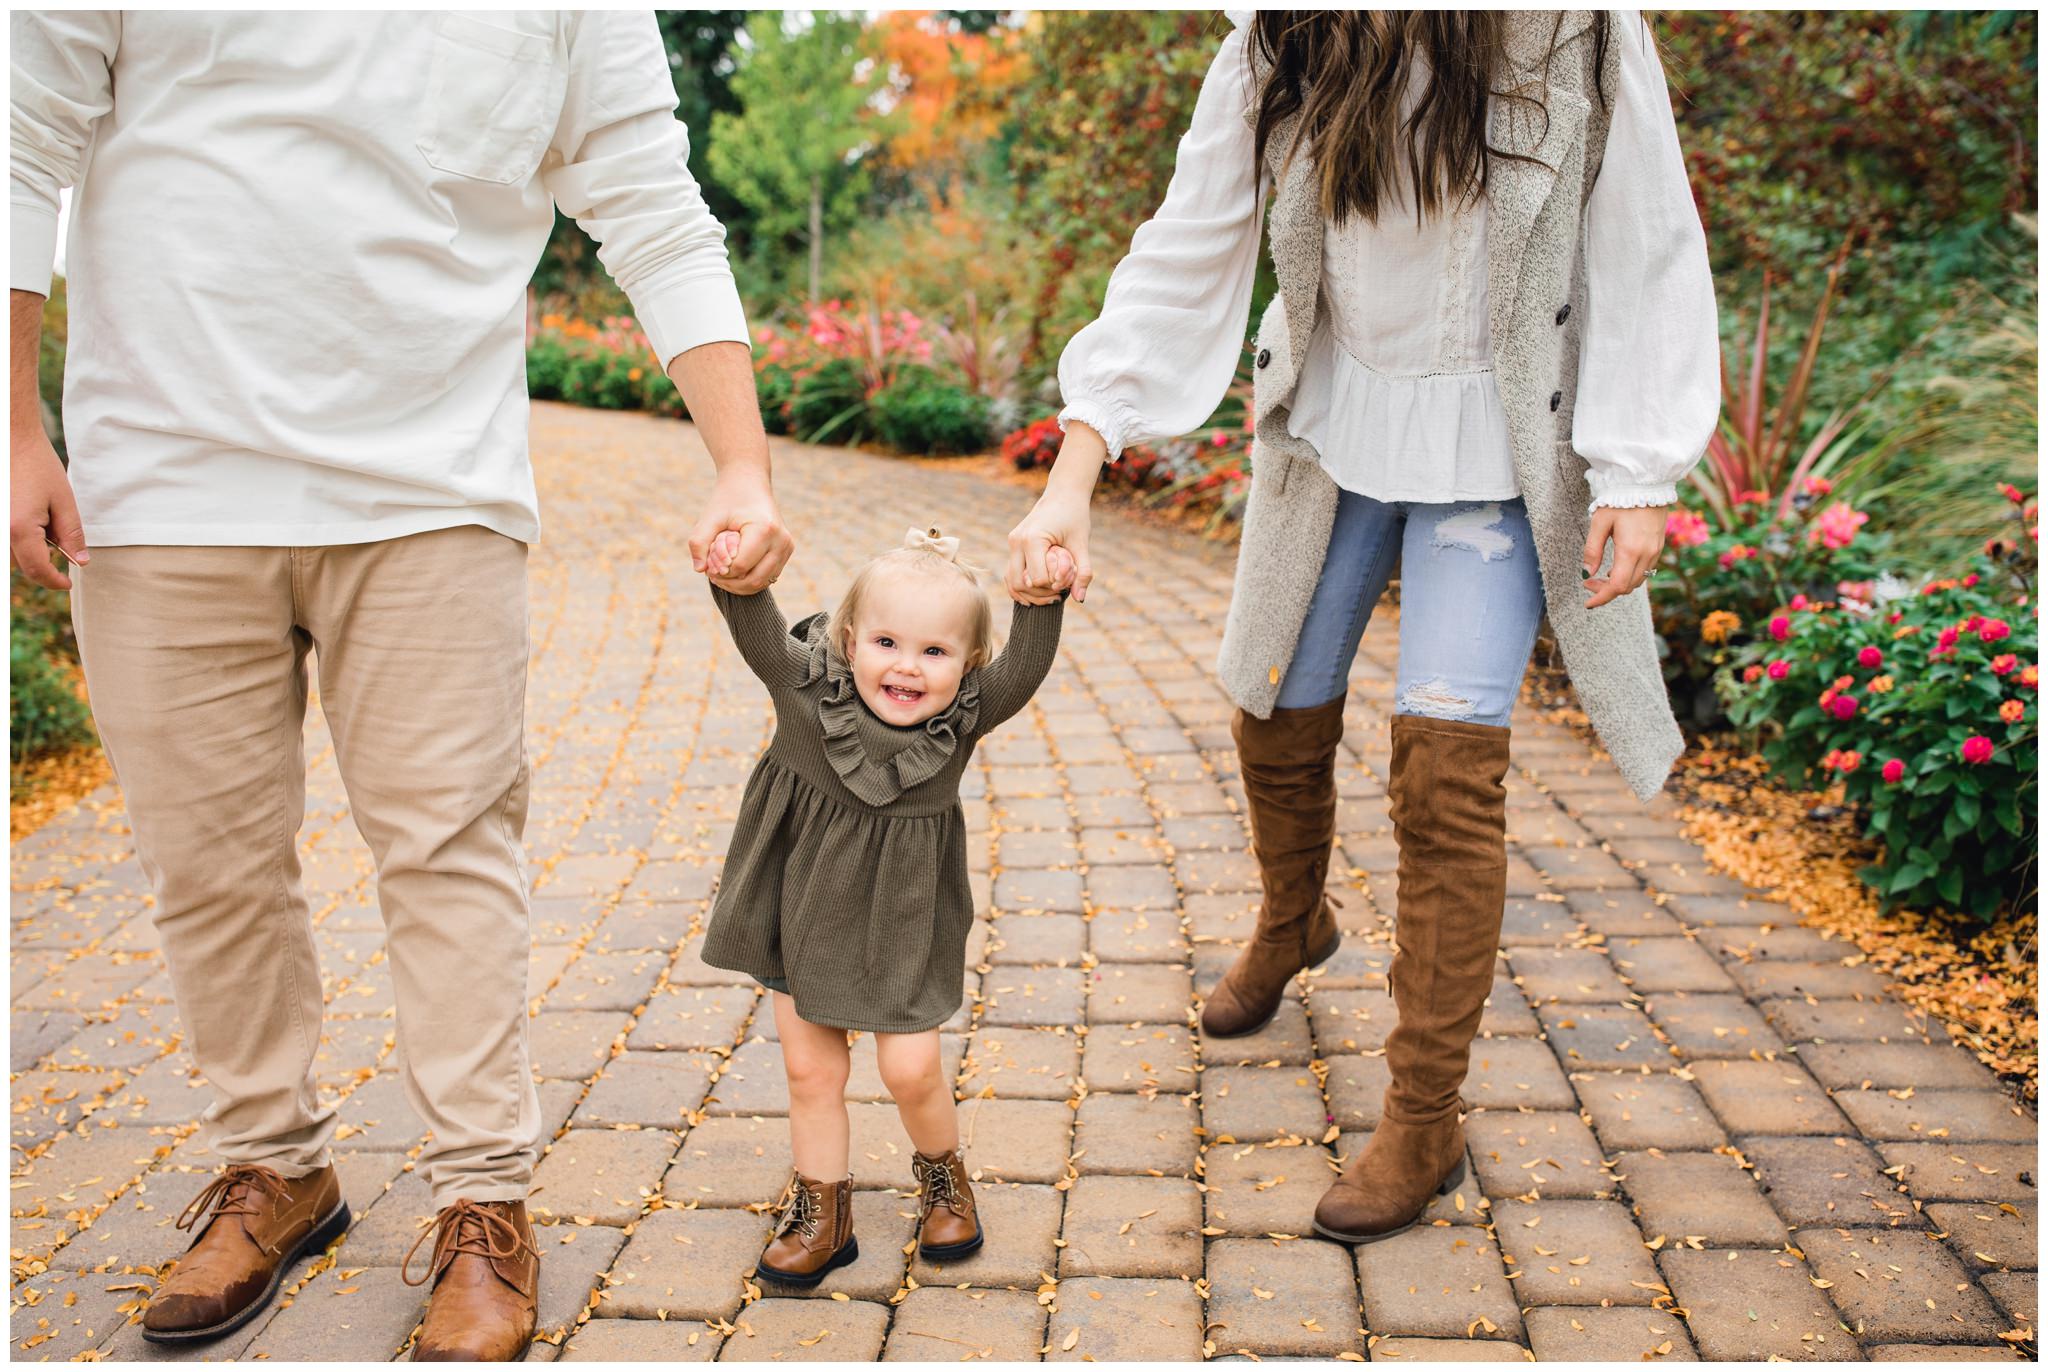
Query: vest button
point(1556, 399)
point(1265, 356)
point(1564, 312)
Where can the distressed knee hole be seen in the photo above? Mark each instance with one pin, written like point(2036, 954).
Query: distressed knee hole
point(1436, 699)
point(1476, 530)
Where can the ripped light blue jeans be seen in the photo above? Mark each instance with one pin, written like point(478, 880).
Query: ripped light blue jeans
point(1471, 598)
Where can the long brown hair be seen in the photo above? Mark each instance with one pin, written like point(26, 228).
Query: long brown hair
point(1345, 71)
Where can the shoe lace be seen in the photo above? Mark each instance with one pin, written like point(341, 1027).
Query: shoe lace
point(234, 1192)
point(467, 1227)
point(935, 1183)
point(802, 1212)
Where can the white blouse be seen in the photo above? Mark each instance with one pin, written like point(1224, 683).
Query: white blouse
point(1397, 394)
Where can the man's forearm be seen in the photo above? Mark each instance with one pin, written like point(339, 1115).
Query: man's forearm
point(717, 383)
point(25, 339)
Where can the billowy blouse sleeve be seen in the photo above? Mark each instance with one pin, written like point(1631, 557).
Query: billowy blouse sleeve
point(1160, 357)
point(1649, 357)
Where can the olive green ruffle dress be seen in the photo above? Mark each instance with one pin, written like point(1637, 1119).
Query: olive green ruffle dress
point(846, 882)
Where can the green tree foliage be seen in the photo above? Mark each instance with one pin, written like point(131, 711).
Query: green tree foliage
point(1094, 129)
point(794, 153)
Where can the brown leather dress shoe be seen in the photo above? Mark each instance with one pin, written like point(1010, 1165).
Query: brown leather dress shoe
point(486, 1275)
point(815, 1235)
point(947, 1225)
point(252, 1226)
point(1290, 782)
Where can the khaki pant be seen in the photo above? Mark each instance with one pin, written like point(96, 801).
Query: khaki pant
point(195, 660)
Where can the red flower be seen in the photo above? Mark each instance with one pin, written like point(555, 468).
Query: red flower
point(1738, 553)
point(1777, 670)
point(1970, 580)
point(1781, 628)
point(1818, 485)
point(1843, 707)
point(1870, 657)
point(1946, 644)
point(2004, 663)
point(1752, 672)
point(2012, 493)
point(2013, 711)
point(1800, 602)
point(1894, 771)
point(1977, 749)
point(2030, 677)
point(1684, 529)
point(1991, 630)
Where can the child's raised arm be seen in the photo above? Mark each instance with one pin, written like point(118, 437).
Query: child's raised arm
point(763, 636)
point(1008, 682)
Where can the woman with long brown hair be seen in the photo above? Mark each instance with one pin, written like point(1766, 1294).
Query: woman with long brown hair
point(1493, 355)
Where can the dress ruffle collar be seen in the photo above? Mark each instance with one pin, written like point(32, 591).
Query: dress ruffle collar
point(878, 782)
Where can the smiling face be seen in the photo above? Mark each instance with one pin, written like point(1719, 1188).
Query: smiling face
point(910, 643)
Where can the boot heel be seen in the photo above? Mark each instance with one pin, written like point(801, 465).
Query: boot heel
point(1455, 1180)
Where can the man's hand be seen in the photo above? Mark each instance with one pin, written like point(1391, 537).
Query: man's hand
point(743, 504)
point(40, 508)
point(1638, 541)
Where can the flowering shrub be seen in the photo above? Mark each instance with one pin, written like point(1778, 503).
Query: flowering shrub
point(609, 365)
point(1208, 473)
point(1728, 575)
point(1925, 705)
point(821, 378)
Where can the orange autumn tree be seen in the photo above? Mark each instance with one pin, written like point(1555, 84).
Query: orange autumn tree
point(949, 86)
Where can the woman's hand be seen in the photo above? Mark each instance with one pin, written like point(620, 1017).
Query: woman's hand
point(1058, 520)
point(1638, 537)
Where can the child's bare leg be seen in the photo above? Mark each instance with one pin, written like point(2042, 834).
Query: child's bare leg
point(924, 1098)
point(816, 1060)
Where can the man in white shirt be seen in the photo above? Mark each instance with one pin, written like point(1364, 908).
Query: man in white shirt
point(298, 252)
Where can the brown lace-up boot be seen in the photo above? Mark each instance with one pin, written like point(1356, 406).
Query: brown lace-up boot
point(1291, 784)
point(252, 1226)
point(815, 1235)
point(947, 1225)
point(486, 1275)
point(1450, 818)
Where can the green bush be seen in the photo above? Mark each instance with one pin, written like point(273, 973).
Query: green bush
point(776, 388)
point(923, 414)
point(1927, 708)
point(44, 714)
point(547, 363)
point(830, 405)
point(1728, 575)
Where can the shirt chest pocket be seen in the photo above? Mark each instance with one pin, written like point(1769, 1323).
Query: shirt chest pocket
point(492, 96)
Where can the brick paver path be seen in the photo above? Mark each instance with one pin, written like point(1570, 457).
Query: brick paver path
point(1701, 1130)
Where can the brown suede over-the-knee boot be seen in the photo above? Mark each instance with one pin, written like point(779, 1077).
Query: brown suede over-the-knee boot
point(1290, 781)
point(1450, 819)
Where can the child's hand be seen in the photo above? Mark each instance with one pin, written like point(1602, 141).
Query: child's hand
point(1059, 565)
point(724, 549)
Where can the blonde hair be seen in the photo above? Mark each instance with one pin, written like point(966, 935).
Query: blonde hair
point(927, 561)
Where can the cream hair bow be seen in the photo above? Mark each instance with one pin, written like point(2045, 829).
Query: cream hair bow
point(928, 540)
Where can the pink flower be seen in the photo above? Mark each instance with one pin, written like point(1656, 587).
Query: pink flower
point(1753, 498)
point(1740, 552)
point(2004, 663)
point(1970, 580)
point(1800, 602)
point(1946, 644)
point(2012, 493)
point(1781, 628)
point(1843, 707)
point(1837, 525)
point(1991, 630)
point(1684, 529)
point(1778, 669)
point(1818, 485)
point(1894, 771)
point(1870, 657)
point(1865, 591)
point(1977, 749)
point(1220, 440)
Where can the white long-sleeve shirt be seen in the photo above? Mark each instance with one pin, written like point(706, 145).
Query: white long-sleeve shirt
point(299, 246)
point(1398, 393)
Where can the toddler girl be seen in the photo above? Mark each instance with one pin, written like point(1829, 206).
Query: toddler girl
point(845, 889)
